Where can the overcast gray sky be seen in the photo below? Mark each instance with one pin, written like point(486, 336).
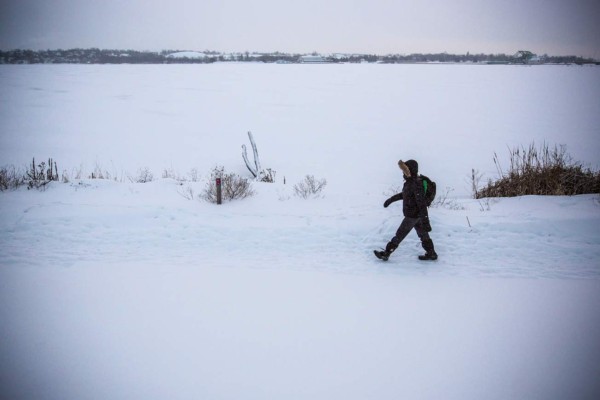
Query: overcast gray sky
point(555, 27)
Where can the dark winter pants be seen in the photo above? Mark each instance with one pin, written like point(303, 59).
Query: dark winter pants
point(405, 227)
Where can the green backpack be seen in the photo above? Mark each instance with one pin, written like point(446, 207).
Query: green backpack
point(429, 189)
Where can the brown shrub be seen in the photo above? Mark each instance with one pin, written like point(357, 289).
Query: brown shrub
point(543, 171)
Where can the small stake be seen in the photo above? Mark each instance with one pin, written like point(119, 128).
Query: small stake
point(218, 181)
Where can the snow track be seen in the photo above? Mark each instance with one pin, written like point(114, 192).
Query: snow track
point(109, 222)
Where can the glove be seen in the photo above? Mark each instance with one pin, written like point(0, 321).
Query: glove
point(392, 199)
point(425, 223)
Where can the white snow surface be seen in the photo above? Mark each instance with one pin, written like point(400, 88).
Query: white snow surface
point(122, 290)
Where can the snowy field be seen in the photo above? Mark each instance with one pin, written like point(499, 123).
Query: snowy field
point(122, 290)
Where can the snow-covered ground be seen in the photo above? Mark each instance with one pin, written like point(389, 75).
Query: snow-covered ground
point(121, 290)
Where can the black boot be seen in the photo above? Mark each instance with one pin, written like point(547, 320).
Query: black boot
point(428, 256)
point(430, 253)
point(385, 254)
point(382, 254)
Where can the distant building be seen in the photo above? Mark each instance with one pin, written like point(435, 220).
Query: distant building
point(536, 59)
point(187, 54)
point(312, 60)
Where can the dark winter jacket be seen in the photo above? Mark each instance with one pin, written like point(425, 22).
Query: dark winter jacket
point(413, 194)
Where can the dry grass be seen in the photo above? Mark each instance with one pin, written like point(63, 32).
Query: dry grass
point(541, 171)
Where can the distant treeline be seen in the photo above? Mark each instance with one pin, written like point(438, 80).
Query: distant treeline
point(98, 56)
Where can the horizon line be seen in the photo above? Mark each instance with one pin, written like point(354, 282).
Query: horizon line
point(295, 53)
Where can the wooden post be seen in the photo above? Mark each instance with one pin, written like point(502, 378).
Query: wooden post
point(218, 182)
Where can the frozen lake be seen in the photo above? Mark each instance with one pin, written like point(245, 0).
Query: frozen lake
point(451, 118)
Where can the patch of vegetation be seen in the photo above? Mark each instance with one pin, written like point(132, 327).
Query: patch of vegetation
point(309, 187)
point(232, 186)
point(541, 171)
point(36, 176)
point(11, 178)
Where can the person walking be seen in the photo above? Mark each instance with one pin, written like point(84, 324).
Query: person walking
point(415, 213)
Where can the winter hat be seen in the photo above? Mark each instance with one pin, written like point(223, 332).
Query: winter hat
point(409, 168)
